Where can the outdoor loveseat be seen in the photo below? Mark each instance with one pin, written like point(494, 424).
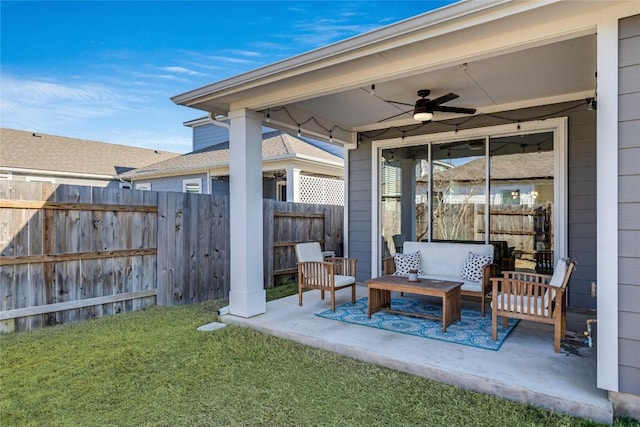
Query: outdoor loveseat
point(471, 264)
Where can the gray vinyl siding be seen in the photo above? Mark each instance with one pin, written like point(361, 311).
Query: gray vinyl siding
point(208, 135)
point(582, 239)
point(359, 209)
point(220, 187)
point(172, 183)
point(629, 205)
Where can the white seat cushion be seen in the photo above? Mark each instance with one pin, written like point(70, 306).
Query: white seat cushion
point(515, 304)
point(339, 280)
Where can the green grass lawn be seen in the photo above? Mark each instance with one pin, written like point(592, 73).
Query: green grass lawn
point(153, 368)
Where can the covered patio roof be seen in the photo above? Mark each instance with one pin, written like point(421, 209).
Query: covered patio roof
point(496, 56)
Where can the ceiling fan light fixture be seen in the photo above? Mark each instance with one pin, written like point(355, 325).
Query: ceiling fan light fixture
point(421, 112)
point(423, 116)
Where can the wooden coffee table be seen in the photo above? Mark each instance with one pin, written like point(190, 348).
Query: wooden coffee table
point(380, 296)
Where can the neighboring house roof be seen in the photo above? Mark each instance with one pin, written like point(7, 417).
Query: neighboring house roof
point(275, 146)
point(35, 151)
point(507, 167)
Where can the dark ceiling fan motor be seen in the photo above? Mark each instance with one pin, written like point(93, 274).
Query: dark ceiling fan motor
point(424, 108)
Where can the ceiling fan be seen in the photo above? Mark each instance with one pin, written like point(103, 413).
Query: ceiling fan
point(424, 108)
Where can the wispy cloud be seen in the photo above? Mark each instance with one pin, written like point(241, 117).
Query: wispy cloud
point(31, 103)
point(181, 70)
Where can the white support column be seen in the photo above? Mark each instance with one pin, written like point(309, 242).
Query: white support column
point(607, 204)
point(293, 185)
point(408, 199)
point(247, 296)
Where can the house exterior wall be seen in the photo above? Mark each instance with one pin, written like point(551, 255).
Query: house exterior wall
point(359, 209)
point(172, 183)
point(208, 135)
point(582, 241)
point(629, 205)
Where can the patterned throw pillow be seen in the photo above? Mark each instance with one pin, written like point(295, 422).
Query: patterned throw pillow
point(472, 268)
point(406, 262)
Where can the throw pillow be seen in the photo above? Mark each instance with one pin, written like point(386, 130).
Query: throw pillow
point(406, 262)
point(472, 268)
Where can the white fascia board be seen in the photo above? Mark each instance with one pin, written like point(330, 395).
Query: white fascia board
point(57, 173)
point(338, 52)
point(172, 172)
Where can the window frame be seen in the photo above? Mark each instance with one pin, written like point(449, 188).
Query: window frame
point(189, 181)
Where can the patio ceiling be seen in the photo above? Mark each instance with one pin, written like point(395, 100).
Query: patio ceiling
point(502, 56)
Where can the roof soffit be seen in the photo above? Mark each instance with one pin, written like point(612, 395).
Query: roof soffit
point(355, 66)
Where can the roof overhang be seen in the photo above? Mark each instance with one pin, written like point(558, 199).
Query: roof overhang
point(497, 56)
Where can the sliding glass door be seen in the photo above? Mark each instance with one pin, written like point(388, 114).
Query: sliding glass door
point(491, 189)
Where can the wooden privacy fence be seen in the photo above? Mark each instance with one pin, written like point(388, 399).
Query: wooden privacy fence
point(287, 224)
point(69, 253)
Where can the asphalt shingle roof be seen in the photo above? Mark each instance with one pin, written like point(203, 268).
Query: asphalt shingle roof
point(28, 150)
point(507, 167)
point(275, 145)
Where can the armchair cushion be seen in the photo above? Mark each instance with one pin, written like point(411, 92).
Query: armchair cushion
point(309, 252)
point(520, 304)
point(406, 262)
point(339, 280)
point(472, 268)
point(558, 273)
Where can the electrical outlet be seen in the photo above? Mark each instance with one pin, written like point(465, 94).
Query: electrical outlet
point(594, 290)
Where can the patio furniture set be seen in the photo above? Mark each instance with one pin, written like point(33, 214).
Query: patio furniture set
point(425, 268)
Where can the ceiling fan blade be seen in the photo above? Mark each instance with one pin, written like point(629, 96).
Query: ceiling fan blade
point(460, 110)
point(396, 115)
point(444, 98)
point(397, 102)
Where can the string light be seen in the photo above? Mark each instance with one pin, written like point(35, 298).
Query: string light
point(456, 126)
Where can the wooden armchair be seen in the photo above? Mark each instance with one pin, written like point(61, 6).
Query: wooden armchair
point(330, 274)
point(534, 297)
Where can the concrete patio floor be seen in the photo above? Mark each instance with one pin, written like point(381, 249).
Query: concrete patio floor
point(524, 369)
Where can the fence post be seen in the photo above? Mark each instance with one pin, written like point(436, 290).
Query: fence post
point(268, 250)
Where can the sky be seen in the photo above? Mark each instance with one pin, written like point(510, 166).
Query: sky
point(105, 71)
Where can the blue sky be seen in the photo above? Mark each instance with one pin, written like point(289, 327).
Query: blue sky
point(105, 71)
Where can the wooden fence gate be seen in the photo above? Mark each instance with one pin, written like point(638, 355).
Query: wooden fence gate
point(287, 224)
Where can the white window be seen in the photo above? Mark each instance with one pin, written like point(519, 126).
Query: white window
point(193, 185)
point(143, 186)
point(5, 176)
point(125, 185)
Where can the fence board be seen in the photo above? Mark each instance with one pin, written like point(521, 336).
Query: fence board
point(81, 248)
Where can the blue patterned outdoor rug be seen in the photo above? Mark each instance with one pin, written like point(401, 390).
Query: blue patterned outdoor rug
point(472, 329)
